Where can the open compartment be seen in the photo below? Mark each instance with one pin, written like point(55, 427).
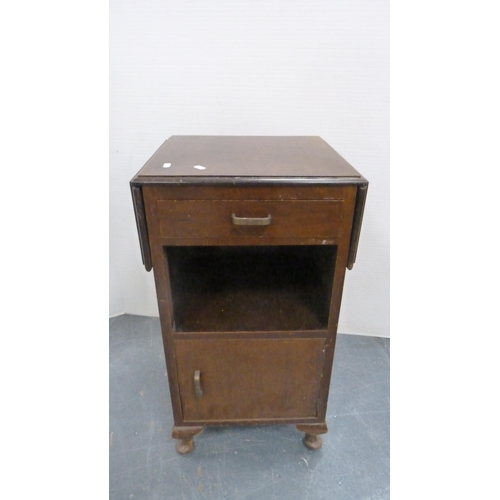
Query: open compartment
point(251, 288)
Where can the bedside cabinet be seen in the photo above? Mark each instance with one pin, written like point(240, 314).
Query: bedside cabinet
point(249, 239)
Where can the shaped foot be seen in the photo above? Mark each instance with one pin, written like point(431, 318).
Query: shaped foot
point(184, 436)
point(311, 438)
point(312, 441)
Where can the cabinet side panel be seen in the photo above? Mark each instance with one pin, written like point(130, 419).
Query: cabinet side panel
point(338, 284)
point(164, 297)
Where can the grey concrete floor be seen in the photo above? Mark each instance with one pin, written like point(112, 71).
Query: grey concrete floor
point(265, 462)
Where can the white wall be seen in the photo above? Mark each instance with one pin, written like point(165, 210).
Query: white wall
point(252, 68)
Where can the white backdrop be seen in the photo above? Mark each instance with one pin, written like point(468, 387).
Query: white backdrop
point(252, 68)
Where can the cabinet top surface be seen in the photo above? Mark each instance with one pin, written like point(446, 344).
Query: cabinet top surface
point(246, 156)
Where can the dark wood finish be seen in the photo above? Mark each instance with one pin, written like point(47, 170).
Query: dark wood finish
point(356, 224)
point(240, 156)
point(255, 188)
point(255, 191)
point(249, 314)
point(213, 218)
point(140, 219)
point(312, 431)
point(253, 288)
point(271, 334)
point(250, 379)
point(248, 181)
point(184, 436)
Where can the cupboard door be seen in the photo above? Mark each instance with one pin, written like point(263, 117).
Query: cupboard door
point(231, 380)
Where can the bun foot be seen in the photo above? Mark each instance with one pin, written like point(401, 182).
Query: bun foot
point(311, 439)
point(184, 446)
point(184, 436)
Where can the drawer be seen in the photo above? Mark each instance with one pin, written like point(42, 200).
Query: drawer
point(250, 218)
point(249, 379)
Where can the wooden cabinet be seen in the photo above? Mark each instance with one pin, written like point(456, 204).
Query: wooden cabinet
point(249, 239)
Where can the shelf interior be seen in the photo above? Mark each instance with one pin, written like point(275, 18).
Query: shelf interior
point(249, 288)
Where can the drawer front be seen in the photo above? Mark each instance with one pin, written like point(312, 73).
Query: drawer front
point(249, 379)
point(246, 218)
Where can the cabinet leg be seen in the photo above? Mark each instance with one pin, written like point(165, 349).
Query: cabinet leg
point(184, 436)
point(311, 439)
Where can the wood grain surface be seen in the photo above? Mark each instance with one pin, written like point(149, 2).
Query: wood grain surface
point(245, 156)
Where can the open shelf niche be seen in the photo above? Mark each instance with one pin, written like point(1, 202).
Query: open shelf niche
point(248, 288)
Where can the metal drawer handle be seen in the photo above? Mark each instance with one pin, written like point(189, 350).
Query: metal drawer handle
point(251, 221)
point(198, 391)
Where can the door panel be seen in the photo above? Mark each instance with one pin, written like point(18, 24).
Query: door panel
point(249, 379)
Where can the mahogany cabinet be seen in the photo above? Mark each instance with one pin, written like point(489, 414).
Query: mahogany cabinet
point(249, 239)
